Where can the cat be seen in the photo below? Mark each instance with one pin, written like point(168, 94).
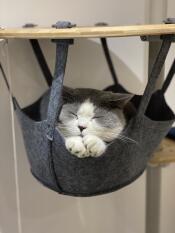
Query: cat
point(90, 119)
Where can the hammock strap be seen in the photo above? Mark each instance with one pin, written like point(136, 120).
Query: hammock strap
point(109, 60)
point(154, 74)
point(169, 77)
point(41, 61)
point(55, 101)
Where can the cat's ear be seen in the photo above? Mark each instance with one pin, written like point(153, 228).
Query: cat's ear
point(68, 94)
point(118, 100)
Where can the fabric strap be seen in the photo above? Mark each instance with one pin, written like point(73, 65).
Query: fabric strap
point(55, 101)
point(109, 60)
point(154, 74)
point(169, 77)
point(104, 44)
point(41, 61)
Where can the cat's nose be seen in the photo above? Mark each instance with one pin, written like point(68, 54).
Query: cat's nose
point(81, 127)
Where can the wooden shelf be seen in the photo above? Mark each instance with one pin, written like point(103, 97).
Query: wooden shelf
point(165, 154)
point(88, 32)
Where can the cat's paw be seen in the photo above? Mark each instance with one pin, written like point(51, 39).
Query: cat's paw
point(94, 145)
point(76, 147)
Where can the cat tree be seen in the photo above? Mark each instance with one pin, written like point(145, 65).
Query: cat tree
point(165, 154)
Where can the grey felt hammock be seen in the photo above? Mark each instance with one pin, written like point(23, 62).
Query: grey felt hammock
point(121, 164)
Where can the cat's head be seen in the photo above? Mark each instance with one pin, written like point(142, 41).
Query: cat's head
point(90, 111)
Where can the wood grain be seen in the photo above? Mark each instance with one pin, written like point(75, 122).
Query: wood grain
point(88, 32)
point(165, 153)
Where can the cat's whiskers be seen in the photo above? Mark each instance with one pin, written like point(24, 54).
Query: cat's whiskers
point(68, 130)
point(126, 139)
point(106, 134)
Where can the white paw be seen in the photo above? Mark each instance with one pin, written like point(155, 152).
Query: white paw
point(94, 145)
point(75, 146)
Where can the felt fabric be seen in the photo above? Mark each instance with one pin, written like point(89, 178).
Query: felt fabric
point(171, 133)
point(122, 162)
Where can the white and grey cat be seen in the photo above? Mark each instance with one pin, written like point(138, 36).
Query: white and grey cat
point(90, 119)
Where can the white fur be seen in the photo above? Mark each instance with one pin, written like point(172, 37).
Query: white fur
point(85, 114)
point(94, 145)
point(92, 140)
point(76, 146)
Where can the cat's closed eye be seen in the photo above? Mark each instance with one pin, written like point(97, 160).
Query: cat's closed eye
point(96, 117)
point(71, 113)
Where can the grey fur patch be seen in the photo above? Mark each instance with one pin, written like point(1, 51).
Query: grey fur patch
point(99, 98)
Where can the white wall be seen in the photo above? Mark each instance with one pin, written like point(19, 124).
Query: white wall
point(39, 209)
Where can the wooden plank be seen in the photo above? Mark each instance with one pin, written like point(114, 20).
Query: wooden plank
point(88, 32)
point(165, 153)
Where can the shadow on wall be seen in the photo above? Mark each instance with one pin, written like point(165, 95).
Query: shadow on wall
point(86, 67)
